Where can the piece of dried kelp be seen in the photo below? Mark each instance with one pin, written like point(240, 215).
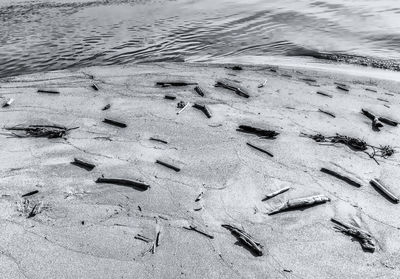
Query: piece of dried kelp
point(265, 134)
point(124, 182)
point(300, 202)
point(246, 239)
point(365, 238)
point(341, 177)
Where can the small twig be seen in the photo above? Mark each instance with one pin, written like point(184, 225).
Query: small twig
point(194, 228)
point(324, 94)
point(185, 107)
point(260, 149)
point(327, 112)
point(48, 91)
point(341, 177)
point(158, 140)
point(273, 194)
point(168, 165)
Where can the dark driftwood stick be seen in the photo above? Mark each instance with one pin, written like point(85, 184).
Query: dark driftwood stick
point(363, 237)
point(115, 123)
point(383, 100)
point(273, 194)
point(194, 228)
point(341, 177)
point(159, 140)
point(168, 165)
point(309, 79)
point(233, 87)
point(324, 94)
point(95, 87)
point(169, 97)
point(245, 238)
point(124, 182)
point(30, 193)
point(8, 102)
point(204, 109)
point(235, 68)
point(368, 114)
point(48, 91)
point(80, 163)
point(371, 90)
point(327, 112)
point(199, 91)
point(344, 88)
point(269, 134)
point(143, 238)
point(260, 149)
point(174, 83)
point(377, 184)
point(300, 202)
point(388, 121)
point(106, 107)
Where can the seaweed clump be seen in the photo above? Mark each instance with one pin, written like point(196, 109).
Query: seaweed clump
point(39, 131)
point(356, 144)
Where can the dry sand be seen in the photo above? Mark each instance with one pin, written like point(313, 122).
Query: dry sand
point(87, 230)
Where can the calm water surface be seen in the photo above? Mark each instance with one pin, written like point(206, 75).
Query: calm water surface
point(49, 35)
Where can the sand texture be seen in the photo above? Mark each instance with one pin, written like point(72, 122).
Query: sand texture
point(83, 229)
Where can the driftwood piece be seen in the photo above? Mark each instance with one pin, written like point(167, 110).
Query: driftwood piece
point(169, 97)
point(158, 140)
point(124, 182)
point(260, 149)
point(83, 164)
point(300, 202)
point(388, 121)
point(183, 108)
point(48, 91)
point(174, 83)
point(379, 185)
point(371, 90)
point(235, 68)
point(8, 102)
point(106, 107)
point(309, 79)
point(343, 87)
point(383, 100)
point(200, 231)
point(324, 94)
point(36, 209)
point(365, 238)
point(341, 177)
point(114, 123)
point(41, 131)
point(233, 87)
point(265, 134)
point(199, 91)
point(199, 197)
point(142, 238)
point(246, 239)
point(204, 109)
point(30, 193)
point(273, 194)
point(95, 87)
point(327, 112)
point(168, 165)
point(376, 124)
point(262, 84)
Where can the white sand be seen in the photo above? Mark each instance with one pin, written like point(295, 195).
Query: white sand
point(214, 159)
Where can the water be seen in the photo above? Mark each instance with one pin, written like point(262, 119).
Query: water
point(51, 35)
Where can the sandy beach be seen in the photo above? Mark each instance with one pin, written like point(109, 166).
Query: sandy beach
point(74, 227)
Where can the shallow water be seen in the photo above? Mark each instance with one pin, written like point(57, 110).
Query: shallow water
point(50, 35)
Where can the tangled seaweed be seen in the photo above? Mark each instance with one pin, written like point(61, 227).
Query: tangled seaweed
point(356, 145)
point(40, 131)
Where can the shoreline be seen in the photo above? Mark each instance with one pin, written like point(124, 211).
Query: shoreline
point(87, 230)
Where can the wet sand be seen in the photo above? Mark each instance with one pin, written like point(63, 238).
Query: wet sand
point(84, 229)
